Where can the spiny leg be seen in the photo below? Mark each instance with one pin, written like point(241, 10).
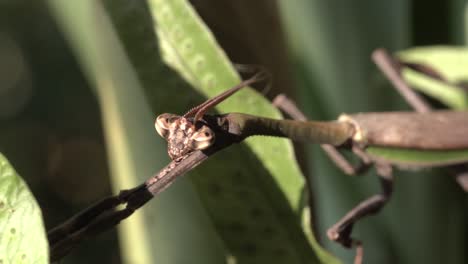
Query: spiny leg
point(390, 68)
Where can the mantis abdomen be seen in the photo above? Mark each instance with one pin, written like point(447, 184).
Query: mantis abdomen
point(438, 130)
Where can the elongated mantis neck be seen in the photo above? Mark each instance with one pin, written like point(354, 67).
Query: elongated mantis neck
point(334, 133)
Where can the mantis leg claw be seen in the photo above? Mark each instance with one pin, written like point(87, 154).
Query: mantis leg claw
point(341, 231)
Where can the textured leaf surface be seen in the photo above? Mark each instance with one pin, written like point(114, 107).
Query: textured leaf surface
point(22, 234)
point(254, 193)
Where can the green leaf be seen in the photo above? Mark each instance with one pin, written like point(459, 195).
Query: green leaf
point(451, 62)
point(253, 192)
point(22, 235)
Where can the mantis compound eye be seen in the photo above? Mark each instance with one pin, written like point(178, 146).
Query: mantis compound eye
point(202, 138)
point(163, 123)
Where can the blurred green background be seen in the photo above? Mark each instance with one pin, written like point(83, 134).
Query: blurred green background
point(52, 118)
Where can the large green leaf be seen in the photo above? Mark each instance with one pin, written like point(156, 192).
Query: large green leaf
point(257, 217)
point(254, 193)
point(22, 235)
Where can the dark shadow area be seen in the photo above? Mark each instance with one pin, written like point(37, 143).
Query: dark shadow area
point(431, 21)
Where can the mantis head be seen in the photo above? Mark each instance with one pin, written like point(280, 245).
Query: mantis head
point(188, 133)
point(183, 135)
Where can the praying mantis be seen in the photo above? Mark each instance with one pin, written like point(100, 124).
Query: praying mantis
point(421, 139)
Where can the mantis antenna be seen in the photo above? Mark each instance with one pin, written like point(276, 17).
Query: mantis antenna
point(201, 109)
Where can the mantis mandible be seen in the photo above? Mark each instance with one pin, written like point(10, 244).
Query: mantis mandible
point(422, 139)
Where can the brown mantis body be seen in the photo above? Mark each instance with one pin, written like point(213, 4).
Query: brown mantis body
point(371, 136)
